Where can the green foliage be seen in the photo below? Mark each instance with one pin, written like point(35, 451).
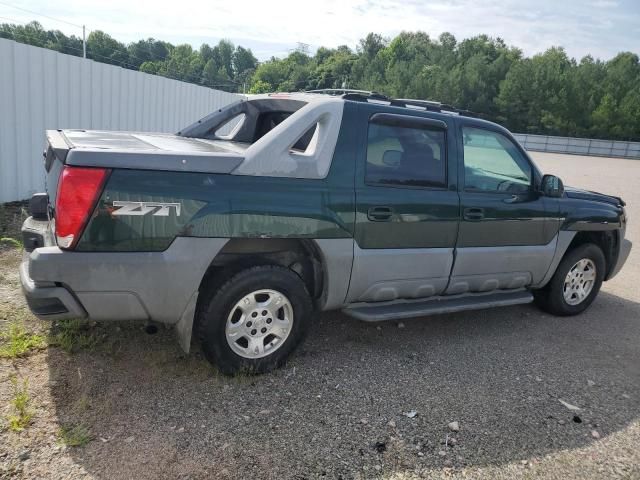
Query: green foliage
point(73, 335)
point(149, 50)
point(548, 93)
point(22, 414)
point(230, 66)
point(74, 435)
point(16, 341)
point(104, 48)
point(10, 242)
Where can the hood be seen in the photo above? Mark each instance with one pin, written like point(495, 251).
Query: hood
point(593, 196)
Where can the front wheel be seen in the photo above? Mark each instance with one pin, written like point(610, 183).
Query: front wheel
point(255, 320)
point(576, 282)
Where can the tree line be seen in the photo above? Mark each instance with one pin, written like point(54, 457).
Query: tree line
point(223, 66)
point(549, 93)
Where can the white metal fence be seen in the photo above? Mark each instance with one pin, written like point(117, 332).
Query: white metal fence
point(41, 89)
point(579, 146)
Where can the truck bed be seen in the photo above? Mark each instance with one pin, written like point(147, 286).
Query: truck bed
point(140, 150)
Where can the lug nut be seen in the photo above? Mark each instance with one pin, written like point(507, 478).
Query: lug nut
point(269, 320)
point(249, 323)
point(254, 331)
point(264, 312)
point(263, 329)
point(254, 314)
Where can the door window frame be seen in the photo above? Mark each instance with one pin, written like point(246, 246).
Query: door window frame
point(414, 122)
point(533, 185)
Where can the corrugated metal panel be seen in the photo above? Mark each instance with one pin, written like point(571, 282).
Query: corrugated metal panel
point(579, 146)
point(41, 89)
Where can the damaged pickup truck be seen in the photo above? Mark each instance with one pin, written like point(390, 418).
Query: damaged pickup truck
point(244, 224)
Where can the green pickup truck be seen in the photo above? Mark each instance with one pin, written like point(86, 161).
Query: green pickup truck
point(244, 224)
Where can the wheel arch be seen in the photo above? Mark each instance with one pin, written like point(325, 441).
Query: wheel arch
point(302, 256)
point(606, 240)
point(568, 240)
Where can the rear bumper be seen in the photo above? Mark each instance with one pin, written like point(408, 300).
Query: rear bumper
point(103, 286)
point(623, 254)
point(48, 301)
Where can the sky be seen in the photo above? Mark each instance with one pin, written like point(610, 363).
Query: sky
point(600, 28)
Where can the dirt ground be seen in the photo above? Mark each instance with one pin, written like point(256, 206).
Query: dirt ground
point(344, 406)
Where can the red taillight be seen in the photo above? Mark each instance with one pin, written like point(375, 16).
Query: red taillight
point(78, 190)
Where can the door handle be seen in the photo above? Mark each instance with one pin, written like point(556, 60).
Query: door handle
point(473, 213)
point(380, 214)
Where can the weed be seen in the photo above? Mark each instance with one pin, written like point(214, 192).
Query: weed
point(11, 217)
point(75, 435)
point(73, 335)
point(20, 402)
point(83, 403)
point(16, 341)
point(10, 242)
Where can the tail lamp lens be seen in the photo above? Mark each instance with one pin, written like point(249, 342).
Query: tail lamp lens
point(78, 191)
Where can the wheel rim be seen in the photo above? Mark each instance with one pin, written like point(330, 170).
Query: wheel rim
point(259, 323)
point(579, 281)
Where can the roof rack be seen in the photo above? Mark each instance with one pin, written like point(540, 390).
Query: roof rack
point(366, 96)
point(341, 91)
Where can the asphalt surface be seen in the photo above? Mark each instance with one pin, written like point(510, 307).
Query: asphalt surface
point(364, 400)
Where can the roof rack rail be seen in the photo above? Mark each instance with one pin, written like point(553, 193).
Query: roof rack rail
point(431, 106)
point(365, 96)
point(342, 91)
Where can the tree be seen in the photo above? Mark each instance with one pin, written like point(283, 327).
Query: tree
point(242, 60)
point(149, 50)
point(547, 93)
point(183, 63)
point(103, 48)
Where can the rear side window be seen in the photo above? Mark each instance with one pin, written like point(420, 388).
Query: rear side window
point(410, 156)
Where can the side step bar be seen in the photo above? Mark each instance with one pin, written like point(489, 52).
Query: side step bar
point(417, 308)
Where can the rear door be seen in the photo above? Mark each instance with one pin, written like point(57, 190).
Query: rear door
point(506, 237)
point(407, 205)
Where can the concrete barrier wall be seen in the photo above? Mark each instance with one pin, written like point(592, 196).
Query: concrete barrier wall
point(579, 146)
point(41, 89)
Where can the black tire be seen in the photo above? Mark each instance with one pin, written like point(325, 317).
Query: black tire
point(216, 306)
point(551, 297)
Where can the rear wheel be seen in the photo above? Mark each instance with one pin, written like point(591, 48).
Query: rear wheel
point(255, 320)
point(576, 282)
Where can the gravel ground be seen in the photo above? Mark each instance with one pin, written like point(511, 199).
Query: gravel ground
point(341, 408)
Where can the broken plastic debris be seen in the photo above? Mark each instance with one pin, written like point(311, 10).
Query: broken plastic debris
point(569, 406)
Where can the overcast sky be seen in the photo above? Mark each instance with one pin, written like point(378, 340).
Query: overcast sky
point(601, 28)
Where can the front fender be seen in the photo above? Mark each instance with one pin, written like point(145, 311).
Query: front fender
point(591, 216)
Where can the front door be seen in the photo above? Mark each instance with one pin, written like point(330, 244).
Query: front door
point(407, 206)
point(506, 239)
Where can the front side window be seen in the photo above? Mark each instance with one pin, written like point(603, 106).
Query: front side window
point(409, 156)
point(493, 163)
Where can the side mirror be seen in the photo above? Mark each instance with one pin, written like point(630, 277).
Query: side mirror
point(552, 186)
point(391, 158)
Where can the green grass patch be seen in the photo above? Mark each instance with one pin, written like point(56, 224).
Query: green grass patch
point(22, 414)
point(10, 242)
point(74, 435)
point(16, 341)
point(73, 335)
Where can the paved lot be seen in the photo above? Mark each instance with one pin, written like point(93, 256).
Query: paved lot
point(338, 409)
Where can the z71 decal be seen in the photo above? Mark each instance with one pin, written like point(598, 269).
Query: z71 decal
point(142, 208)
